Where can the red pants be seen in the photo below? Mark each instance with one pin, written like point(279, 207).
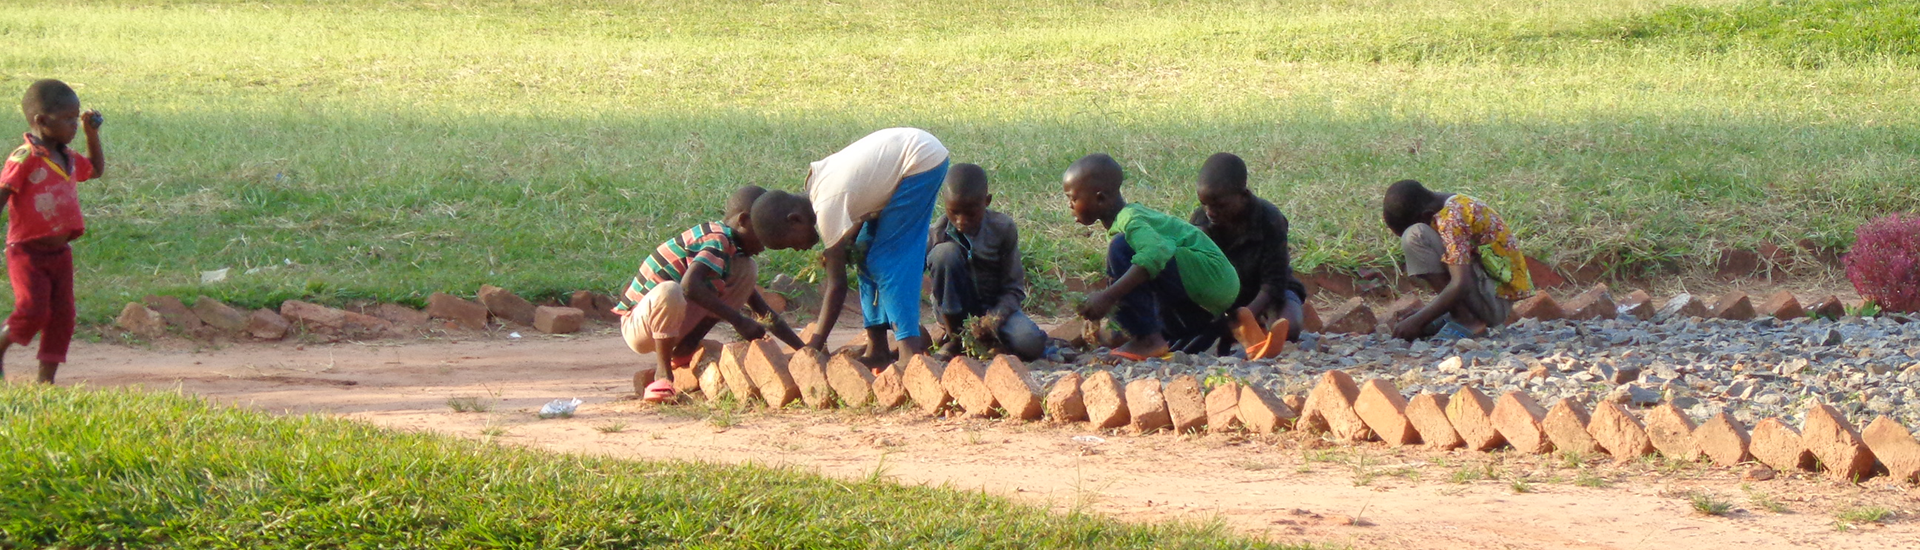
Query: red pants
point(42, 299)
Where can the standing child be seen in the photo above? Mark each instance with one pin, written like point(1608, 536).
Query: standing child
point(37, 186)
point(1460, 248)
point(975, 261)
point(1253, 234)
point(703, 276)
point(1170, 282)
point(871, 203)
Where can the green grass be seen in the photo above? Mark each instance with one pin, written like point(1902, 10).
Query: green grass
point(389, 151)
point(1852, 516)
point(121, 468)
point(1708, 504)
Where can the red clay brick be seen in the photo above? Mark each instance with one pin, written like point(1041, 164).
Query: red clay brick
point(1540, 307)
point(465, 313)
point(1723, 439)
point(1595, 303)
point(225, 318)
point(1186, 406)
point(853, 382)
point(506, 305)
point(767, 366)
point(1566, 426)
point(966, 380)
point(1778, 445)
point(1639, 304)
point(1106, 404)
point(1147, 406)
point(1262, 413)
point(923, 378)
point(1468, 411)
point(1895, 447)
point(1830, 307)
point(176, 314)
point(1358, 319)
point(688, 379)
point(598, 307)
point(1064, 401)
point(1385, 412)
point(1427, 413)
point(264, 324)
point(1783, 306)
point(808, 367)
point(1332, 401)
point(711, 384)
point(1672, 432)
point(558, 320)
point(1073, 332)
point(1690, 306)
point(1517, 417)
point(733, 370)
point(1223, 408)
point(1733, 305)
point(1014, 387)
point(1310, 318)
point(1836, 444)
point(1617, 431)
point(1543, 275)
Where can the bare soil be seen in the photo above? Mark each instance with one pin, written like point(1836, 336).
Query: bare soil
point(1287, 487)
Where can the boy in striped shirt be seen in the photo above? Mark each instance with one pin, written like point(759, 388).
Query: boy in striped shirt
point(696, 279)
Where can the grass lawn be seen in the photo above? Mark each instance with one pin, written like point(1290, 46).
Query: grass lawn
point(388, 150)
point(118, 468)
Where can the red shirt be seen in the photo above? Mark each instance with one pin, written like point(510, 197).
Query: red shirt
point(45, 200)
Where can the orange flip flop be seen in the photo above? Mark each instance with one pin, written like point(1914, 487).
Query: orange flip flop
point(1135, 356)
point(1246, 328)
point(1274, 342)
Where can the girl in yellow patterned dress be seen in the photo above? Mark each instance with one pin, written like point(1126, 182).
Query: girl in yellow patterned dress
point(1461, 249)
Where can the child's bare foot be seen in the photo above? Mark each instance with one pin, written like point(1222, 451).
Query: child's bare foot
point(6, 342)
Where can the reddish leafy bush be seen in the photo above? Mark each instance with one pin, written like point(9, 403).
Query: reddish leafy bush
point(1884, 264)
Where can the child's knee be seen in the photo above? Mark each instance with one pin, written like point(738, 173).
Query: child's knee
point(947, 255)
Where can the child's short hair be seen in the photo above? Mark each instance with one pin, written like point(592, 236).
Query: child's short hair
point(771, 209)
point(1099, 170)
point(742, 202)
point(46, 96)
point(1404, 203)
point(1224, 171)
point(966, 180)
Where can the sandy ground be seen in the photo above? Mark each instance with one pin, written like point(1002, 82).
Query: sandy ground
point(1291, 489)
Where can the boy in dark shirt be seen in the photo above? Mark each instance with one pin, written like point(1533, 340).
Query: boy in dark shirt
point(1253, 234)
point(974, 257)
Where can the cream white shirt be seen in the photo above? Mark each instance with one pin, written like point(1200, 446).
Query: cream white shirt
point(853, 185)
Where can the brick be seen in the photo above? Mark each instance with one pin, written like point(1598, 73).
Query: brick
point(558, 320)
point(596, 306)
point(1617, 431)
point(1332, 401)
point(767, 366)
point(1014, 387)
point(1834, 441)
point(1779, 446)
point(1106, 404)
point(966, 380)
point(176, 314)
point(774, 300)
point(1682, 306)
point(1540, 307)
point(1735, 263)
point(1073, 332)
point(1639, 304)
point(1310, 318)
point(1566, 426)
point(266, 324)
point(219, 315)
point(1185, 404)
point(704, 357)
point(733, 371)
point(1385, 412)
point(922, 378)
point(1427, 413)
point(401, 316)
point(1064, 402)
point(1518, 418)
point(137, 318)
point(1733, 305)
point(853, 382)
point(889, 389)
point(1358, 319)
point(1895, 447)
point(1671, 432)
point(1543, 275)
point(506, 305)
point(1223, 408)
point(1830, 307)
point(1783, 306)
point(1262, 413)
point(1595, 303)
point(1402, 308)
point(1468, 410)
point(808, 367)
point(711, 383)
point(1295, 401)
point(466, 313)
point(1723, 439)
point(1147, 406)
point(320, 319)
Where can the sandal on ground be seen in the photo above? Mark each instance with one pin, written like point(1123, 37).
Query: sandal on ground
point(1135, 356)
point(660, 391)
point(1272, 344)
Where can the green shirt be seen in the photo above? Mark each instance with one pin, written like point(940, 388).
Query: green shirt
point(1156, 238)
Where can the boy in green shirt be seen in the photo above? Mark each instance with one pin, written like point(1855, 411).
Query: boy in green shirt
point(1171, 284)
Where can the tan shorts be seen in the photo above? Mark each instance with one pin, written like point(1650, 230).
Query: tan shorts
point(1424, 248)
point(665, 313)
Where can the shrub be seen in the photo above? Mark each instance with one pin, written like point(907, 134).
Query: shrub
point(1884, 264)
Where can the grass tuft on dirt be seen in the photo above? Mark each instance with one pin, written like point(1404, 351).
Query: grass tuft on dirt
point(89, 468)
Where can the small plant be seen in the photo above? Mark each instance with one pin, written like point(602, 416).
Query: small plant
point(468, 403)
point(1572, 459)
point(1520, 485)
point(1708, 504)
point(1867, 308)
point(1253, 465)
point(1884, 264)
point(1851, 516)
point(979, 336)
point(1763, 500)
point(1586, 478)
point(613, 427)
point(1467, 473)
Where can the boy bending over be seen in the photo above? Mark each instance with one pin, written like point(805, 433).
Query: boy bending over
point(1463, 251)
point(975, 261)
point(706, 275)
point(1170, 282)
point(37, 187)
point(1253, 234)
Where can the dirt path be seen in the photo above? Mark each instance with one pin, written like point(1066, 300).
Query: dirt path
point(1369, 497)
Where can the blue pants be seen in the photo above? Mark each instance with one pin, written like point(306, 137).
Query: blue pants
point(956, 294)
point(1161, 305)
point(896, 254)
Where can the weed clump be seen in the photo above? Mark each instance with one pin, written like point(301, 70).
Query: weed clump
point(1884, 264)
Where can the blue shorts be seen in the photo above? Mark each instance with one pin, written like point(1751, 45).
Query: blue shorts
point(896, 254)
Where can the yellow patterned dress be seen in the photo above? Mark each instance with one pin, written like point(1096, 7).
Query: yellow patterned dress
point(1465, 225)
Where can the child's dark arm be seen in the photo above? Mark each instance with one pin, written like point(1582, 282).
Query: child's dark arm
point(780, 328)
point(1101, 303)
point(1414, 326)
point(1016, 277)
point(700, 292)
point(91, 121)
point(833, 291)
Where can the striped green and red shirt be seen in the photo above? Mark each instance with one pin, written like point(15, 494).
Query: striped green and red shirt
point(708, 243)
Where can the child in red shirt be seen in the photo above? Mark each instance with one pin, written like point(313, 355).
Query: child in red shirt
point(37, 186)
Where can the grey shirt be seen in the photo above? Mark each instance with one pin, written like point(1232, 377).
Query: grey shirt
point(994, 255)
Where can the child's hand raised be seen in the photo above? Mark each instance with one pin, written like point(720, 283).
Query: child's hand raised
point(91, 120)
